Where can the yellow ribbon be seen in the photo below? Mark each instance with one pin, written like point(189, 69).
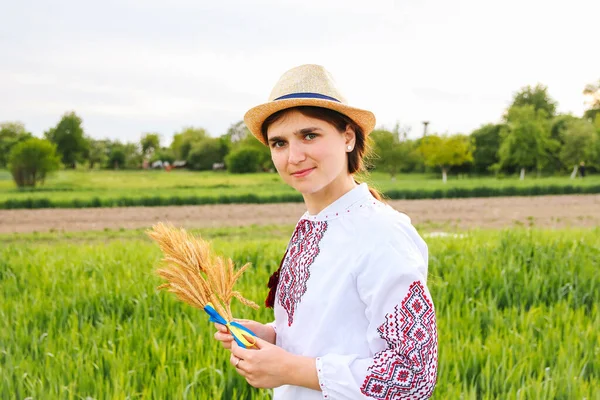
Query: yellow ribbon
point(237, 330)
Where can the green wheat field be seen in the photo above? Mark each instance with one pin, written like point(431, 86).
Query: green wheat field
point(518, 316)
point(95, 188)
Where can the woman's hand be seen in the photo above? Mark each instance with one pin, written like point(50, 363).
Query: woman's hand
point(264, 365)
point(265, 332)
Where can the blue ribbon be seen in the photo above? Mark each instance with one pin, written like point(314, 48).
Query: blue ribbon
point(237, 330)
point(306, 95)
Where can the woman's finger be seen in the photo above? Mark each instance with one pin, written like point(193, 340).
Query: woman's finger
point(223, 337)
point(243, 321)
point(238, 364)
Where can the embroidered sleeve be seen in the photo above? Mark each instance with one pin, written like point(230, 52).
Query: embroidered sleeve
point(408, 364)
point(401, 333)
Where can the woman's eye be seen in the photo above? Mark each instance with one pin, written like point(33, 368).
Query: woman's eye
point(310, 136)
point(279, 143)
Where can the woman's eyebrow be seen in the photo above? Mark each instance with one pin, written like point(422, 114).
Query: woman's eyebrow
point(275, 139)
point(302, 131)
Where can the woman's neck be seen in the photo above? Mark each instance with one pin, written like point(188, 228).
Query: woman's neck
point(317, 202)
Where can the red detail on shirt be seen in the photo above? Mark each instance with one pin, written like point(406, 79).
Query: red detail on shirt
point(408, 367)
point(295, 268)
point(272, 285)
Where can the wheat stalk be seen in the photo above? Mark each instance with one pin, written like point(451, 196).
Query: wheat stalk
point(194, 273)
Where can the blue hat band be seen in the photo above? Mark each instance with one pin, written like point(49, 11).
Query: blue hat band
point(307, 96)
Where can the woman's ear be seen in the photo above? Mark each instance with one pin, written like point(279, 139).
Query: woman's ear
point(350, 136)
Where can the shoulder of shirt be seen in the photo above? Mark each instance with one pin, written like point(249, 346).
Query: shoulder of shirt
point(380, 223)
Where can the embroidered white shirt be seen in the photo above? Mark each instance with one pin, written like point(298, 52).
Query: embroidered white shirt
point(352, 293)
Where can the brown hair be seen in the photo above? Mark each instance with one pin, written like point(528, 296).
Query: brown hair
point(356, 158)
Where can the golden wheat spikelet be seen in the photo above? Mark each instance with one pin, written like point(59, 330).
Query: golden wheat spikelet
point(193, 273)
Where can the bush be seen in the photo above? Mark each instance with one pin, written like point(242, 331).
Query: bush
point(30, 161)
point(244, 160)
point(123, 156)
point(163, 154)
point(11, 133)
point(266, 164)
point(204, 154)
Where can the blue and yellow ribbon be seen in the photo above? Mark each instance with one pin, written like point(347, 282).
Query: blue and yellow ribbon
point(237, 330)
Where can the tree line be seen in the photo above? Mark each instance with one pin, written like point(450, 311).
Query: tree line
point(531, 136)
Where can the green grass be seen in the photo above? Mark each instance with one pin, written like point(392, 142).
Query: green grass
point(82, 188)
point(241, 233)
point(518, 316)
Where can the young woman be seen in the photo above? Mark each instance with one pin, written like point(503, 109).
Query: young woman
point(353, 316)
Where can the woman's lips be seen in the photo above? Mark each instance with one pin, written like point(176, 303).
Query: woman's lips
point(302, 173)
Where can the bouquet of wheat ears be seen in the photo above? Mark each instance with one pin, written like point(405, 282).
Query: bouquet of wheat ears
point(200, 278)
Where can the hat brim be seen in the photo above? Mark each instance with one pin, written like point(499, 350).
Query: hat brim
point(256, 116)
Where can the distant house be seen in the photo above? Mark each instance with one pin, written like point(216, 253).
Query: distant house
point(157, 164)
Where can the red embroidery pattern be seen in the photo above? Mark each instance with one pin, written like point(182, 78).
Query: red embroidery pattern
point(408, 367)
point(302, 251)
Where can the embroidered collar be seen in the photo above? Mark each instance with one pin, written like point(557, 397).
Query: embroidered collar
point(341, 206)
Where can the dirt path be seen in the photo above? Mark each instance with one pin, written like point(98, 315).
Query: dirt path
point(543, 211)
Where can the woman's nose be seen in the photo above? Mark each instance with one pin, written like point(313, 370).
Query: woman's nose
point(296, 154)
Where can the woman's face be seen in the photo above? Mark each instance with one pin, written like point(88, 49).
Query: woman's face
point(308, 153)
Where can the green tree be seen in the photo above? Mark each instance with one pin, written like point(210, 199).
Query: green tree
point(596, 162)
point(558, 127)
point(205, 153)
point(11, 133)
point(124, 156)
point(116, 157)
point(446, 151)
point(560, 124)
point(537, 97)
point(264, 160)
point(526, 141)
point(163, 154)
point(97, 152)
point(150, 142)
point(243, 160)
point(133, 156)
point(183, 141)
point(580, 143)
point(487, 143)
point(237, 132)
point(69, 138)
point(31, 161)
point(391, 154)
point(592, 92)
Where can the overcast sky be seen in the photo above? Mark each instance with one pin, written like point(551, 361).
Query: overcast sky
point(128, 67)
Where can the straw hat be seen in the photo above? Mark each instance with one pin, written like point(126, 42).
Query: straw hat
point(306, 85)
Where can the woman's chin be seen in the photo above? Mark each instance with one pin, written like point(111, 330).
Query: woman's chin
point(303, 186)
point(307, 189)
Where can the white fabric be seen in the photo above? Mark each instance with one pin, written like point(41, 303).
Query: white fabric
point(352, 293)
